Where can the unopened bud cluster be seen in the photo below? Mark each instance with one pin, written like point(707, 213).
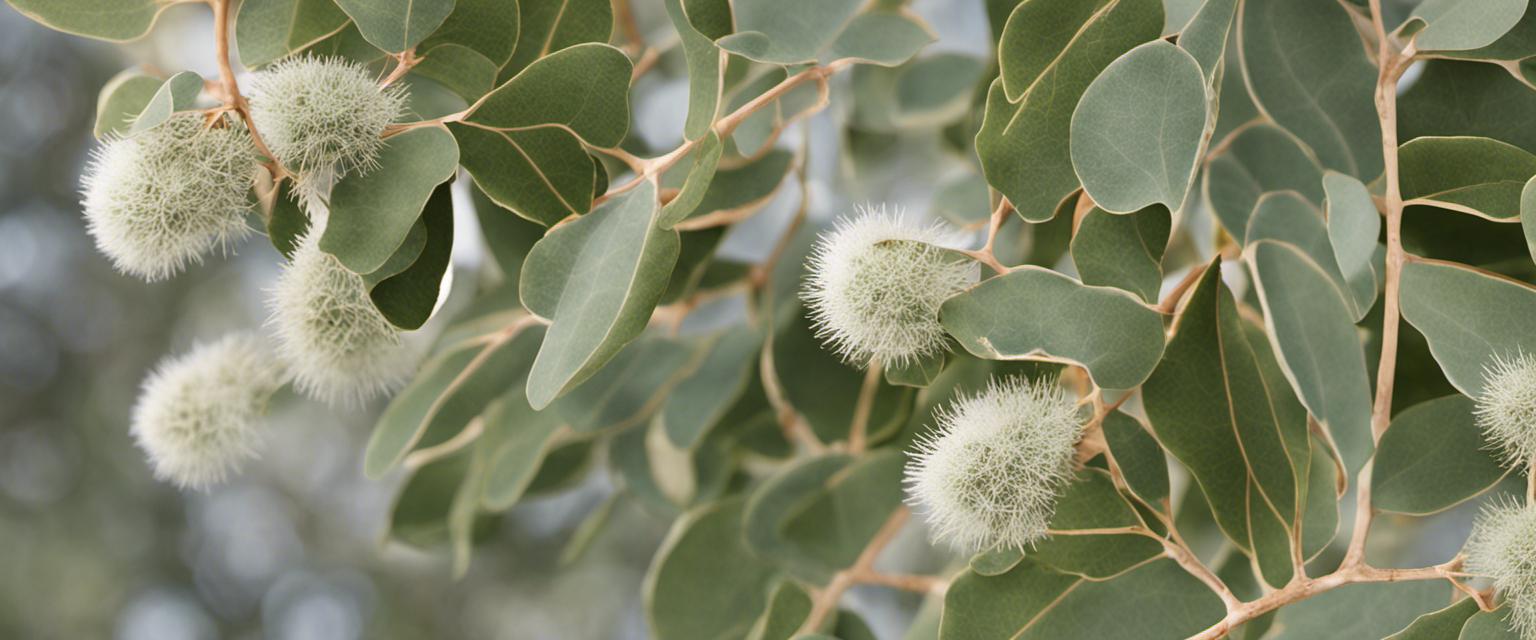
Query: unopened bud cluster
point(171, 194)
point(876, 284)
point(989, 475)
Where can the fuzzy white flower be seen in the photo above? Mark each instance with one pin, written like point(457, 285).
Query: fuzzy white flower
point(334, 340)
point(1506, 409)
point(989, 476)
point(322, 117)
point(1503, 547)
point(167, 196)
point(196, 417)
point(875, 287)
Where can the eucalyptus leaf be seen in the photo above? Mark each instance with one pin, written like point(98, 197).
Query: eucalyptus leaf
point(1119, 347)
point(371, 213)
point(177, 93)
point(397, 25)
point(1433, 457)
point(1050, 51)
point(1480, 176)
point(1138, 132)
point(267, 30)
point(112, 20)
point(596, 280)
point(1469, 317)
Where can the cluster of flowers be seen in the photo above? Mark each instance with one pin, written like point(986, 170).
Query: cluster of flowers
point(165, 197)
point(988, 475)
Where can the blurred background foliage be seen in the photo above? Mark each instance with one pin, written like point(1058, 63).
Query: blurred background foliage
point(92, 547)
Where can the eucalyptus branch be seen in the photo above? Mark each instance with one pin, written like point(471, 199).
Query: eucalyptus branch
point(1392, 66)
point(826, 600)
point(858, 429)
point(233, 100)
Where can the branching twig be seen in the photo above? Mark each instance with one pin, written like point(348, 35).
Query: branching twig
point(858, 429)
point(1393, 64)
point(826, 600)
point(233, 100)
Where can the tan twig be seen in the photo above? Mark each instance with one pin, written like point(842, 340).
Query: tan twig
point(859, 428)
point(1393, 64)
point(231, 87)
point(826, 600)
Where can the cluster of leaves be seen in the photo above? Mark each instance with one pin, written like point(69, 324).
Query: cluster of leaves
point(781, 465)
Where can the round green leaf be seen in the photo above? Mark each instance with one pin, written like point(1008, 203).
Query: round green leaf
point(397, 25)
point(1432, 458)
point(266, 30)
point(114, 20)
point(1469, 317)
point(1137, 133)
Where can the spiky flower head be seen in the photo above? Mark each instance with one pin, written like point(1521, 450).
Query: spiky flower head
point(989, 475)
point(875, 286)
point(322, 117)
point(1503, 547)
point(334, 340)
point(166, 196)
point(197, 415)
point(1506, 409)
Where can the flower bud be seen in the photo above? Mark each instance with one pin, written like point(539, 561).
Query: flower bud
point(166, 196)
point(1506, 409)
point(196, 417)
point(322, 117)
point(989, 475)
point(329, 333)
point(1503, 547)
point(876, 284)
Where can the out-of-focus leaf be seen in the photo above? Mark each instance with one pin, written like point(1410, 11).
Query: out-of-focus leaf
point(787, 31)
point(886, 38)
point(825, 391)
point(629, 388)
point(836, 523)
point(177, 93)
point(451, 390)
point(1206, 37)
point(696, 184)
point(704, 62)
point(121, 100)
point(687, 597)
point(788, 607)
point(529, 438)
point(701, 399)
